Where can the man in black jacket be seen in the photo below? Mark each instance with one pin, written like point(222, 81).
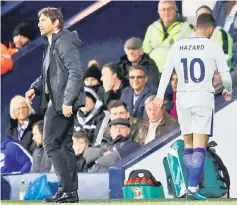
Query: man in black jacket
point(113, 148)
point(136, 57)
point(113, 82)
point(62, 91)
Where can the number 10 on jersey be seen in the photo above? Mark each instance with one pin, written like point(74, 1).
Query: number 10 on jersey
point(189, 70)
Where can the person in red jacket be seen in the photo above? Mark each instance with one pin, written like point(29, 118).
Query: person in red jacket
point(6, 60)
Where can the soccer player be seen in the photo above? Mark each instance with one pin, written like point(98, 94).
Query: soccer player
point(195, 60)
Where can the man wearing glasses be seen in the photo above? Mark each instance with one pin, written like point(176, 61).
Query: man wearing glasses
point(139, 90)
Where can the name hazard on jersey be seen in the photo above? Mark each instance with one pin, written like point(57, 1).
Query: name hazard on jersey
point(192, 47)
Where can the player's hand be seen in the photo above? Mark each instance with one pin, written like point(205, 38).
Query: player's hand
point(158, 102)
point(227, 96)
point(30, 95)
point(67, 110)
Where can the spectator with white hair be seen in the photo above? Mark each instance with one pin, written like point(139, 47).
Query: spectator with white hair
point(157, 123)
point(22, 118)
point(161, 34)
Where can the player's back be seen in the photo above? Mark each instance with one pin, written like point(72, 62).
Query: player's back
point(195, 64)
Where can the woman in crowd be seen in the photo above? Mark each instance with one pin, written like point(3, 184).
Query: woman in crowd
point(22, 118)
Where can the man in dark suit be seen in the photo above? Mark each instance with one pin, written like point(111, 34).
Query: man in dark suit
point(62, 91)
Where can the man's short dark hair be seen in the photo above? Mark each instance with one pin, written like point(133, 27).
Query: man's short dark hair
point(81, 135)
point(205, 21)
point(115, 104)
point(139, 67)
point(115, 69)
point(204, 7)
point(40, 125)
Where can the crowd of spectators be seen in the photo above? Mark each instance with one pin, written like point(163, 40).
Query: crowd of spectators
point(118, 116)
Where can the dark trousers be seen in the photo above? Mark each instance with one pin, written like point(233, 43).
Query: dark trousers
point(57, 141)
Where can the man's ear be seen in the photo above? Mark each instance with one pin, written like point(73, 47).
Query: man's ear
point(56, 22)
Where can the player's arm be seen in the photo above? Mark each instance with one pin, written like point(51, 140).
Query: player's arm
point(223, 69)
point(167, 72)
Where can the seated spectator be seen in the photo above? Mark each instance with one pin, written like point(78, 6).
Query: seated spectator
point(41, 162)
point(22, 118)
point(117, 109)
point(174, 83)
point(225, 13)
point(113, 82)
point(136, 57)
point(92, 79)
point(139, 90)
point(112, 149)
point(92, 118)
point(6, 60)
point(23, 34)
point(164, 32)
point(220, 36)
point(157, 123)
point(14, 158)
point(80, 143)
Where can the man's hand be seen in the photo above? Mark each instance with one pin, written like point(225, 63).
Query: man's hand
point(158, 102)
point(30, 95)
point(106, 153)
point(227, 96)
point(108, 84)
point(67, 110)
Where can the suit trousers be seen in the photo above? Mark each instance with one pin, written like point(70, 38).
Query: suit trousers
point(57, 141)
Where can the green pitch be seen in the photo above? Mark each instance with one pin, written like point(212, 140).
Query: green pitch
point(136, 202)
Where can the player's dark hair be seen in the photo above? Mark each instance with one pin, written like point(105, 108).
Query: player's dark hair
point(204, 7)
point(205, 21)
